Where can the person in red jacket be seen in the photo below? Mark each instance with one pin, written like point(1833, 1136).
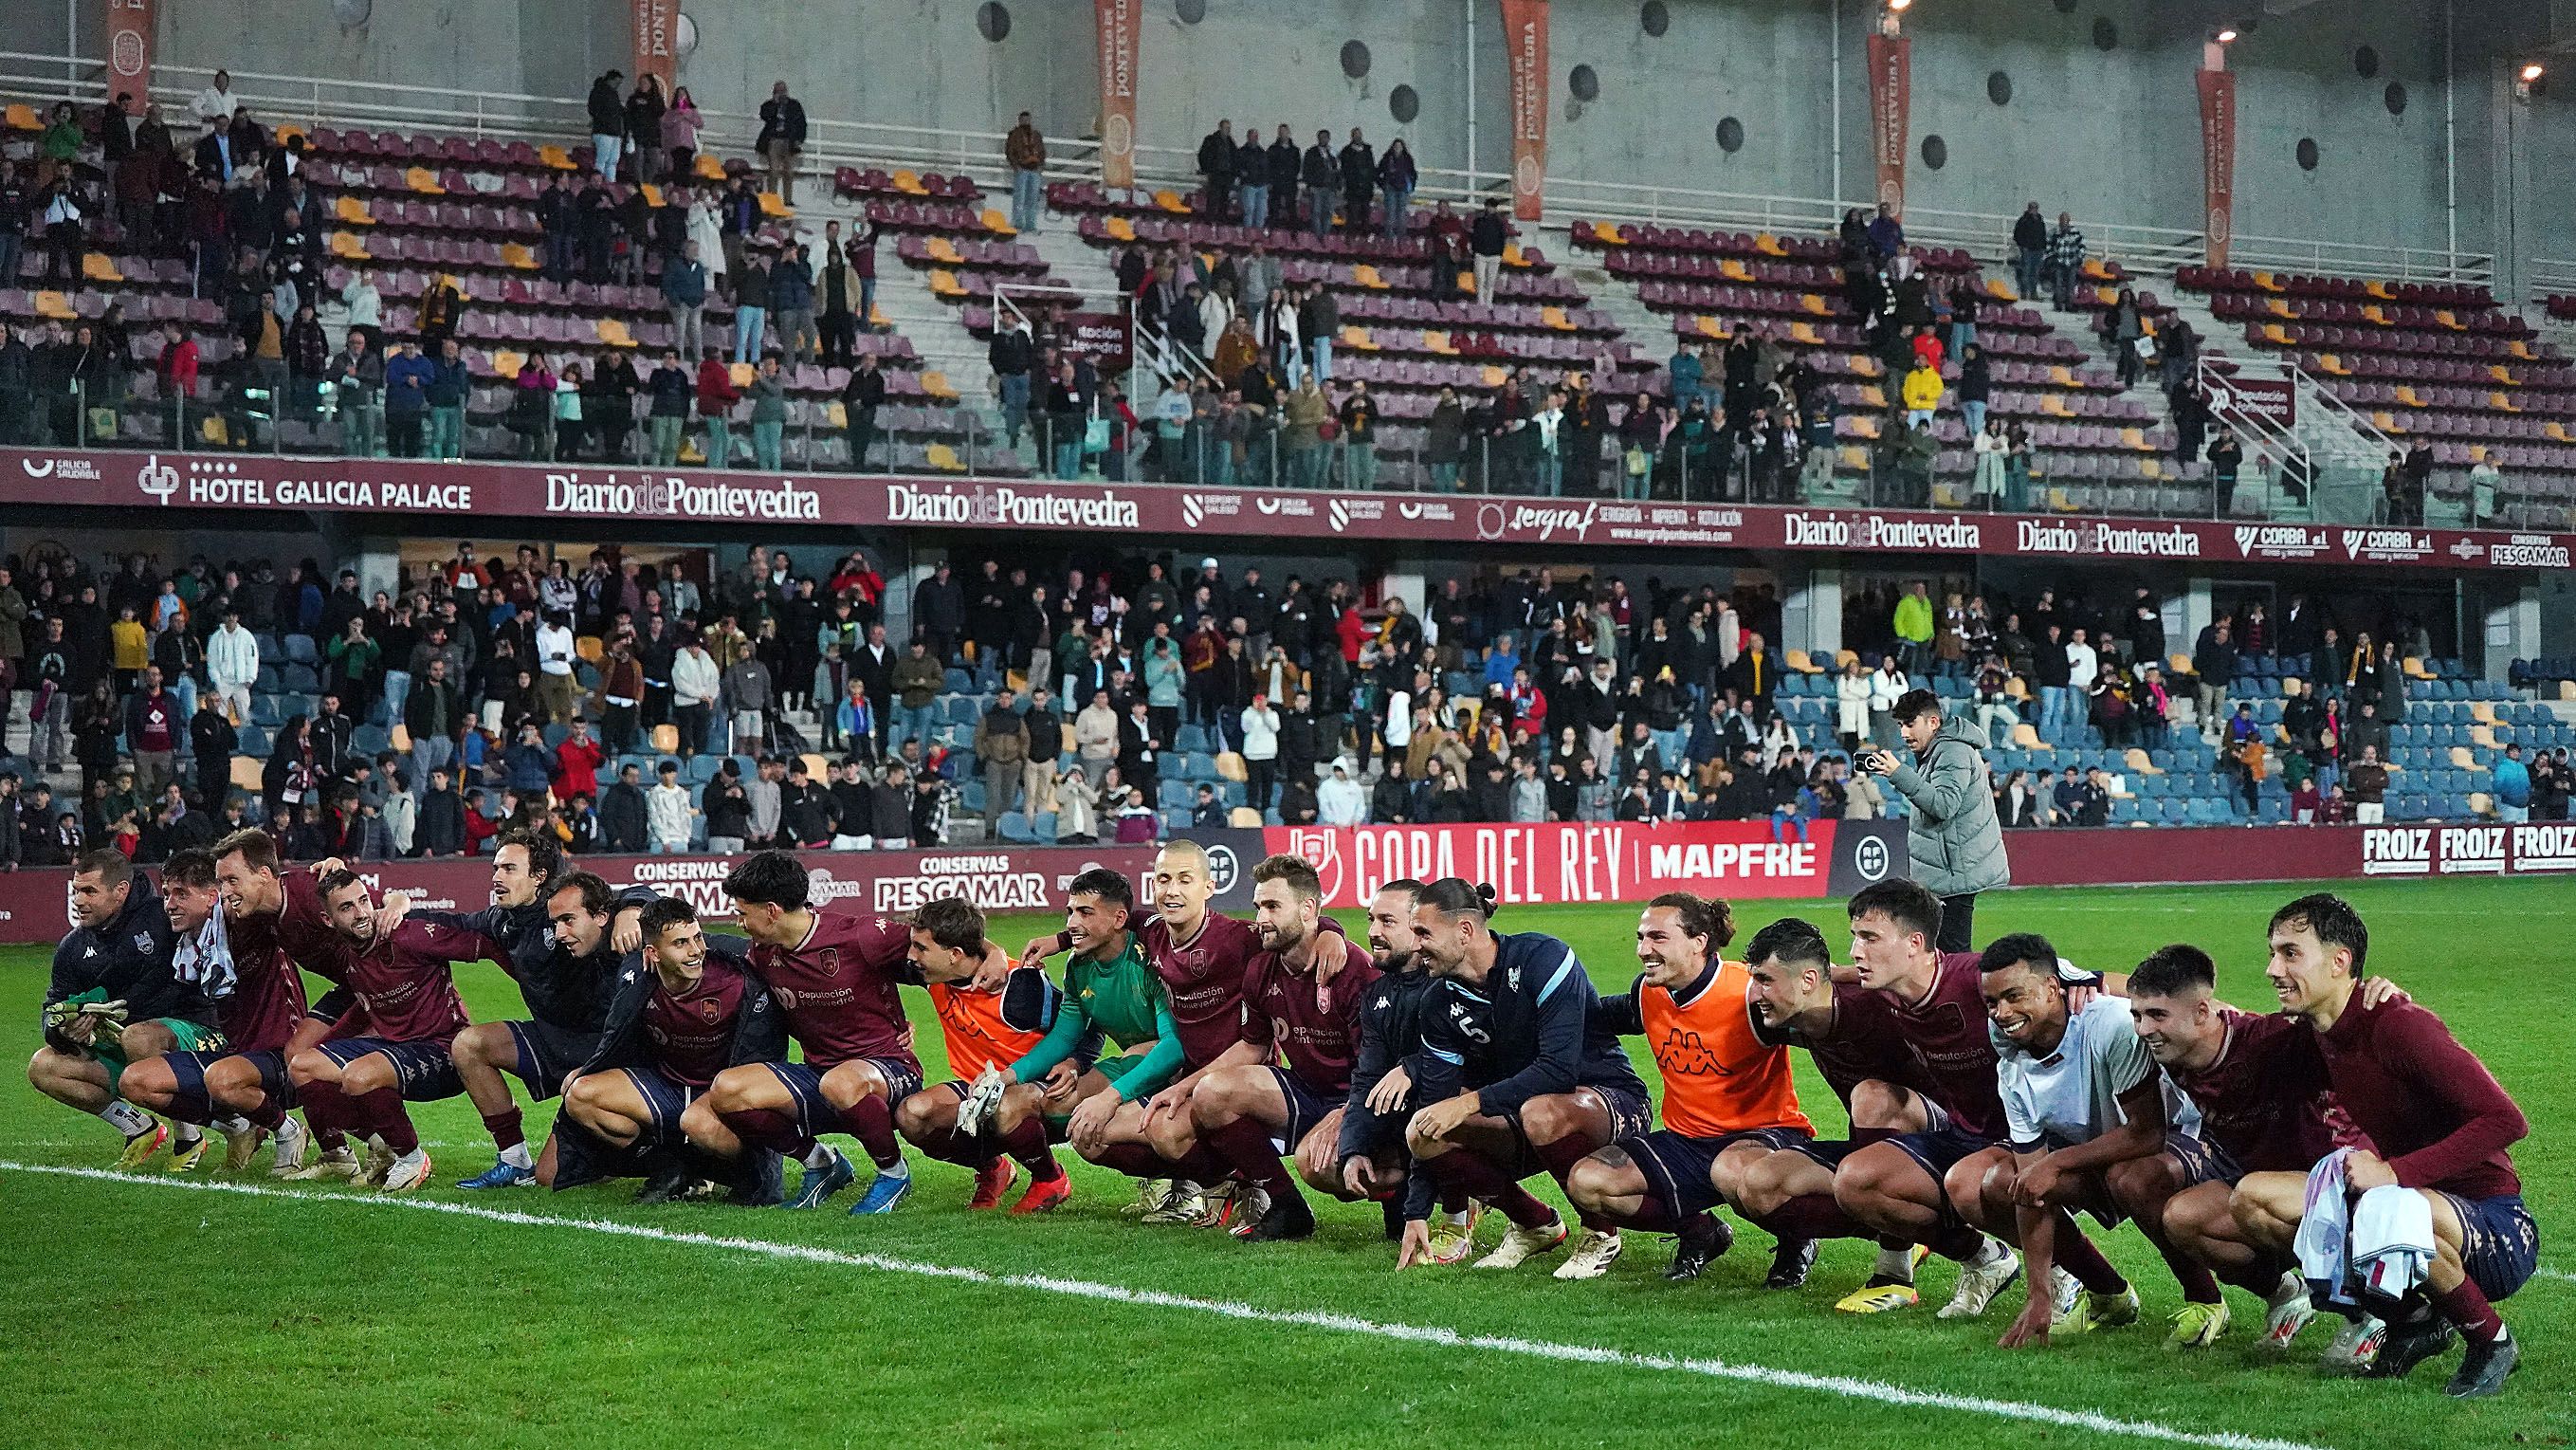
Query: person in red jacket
point(577, 762)
point(716, 397)
point(179, 360)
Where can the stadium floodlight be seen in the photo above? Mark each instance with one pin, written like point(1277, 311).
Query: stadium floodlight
point(1900, 6)
point(2532, 71)
point(2225, 35)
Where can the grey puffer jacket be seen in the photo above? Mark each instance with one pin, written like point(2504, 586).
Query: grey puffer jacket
point(1955, 841)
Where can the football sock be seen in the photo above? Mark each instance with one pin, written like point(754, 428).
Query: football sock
point(185, 1134)
point(1561, 1155)
point(326, 1112)
point(1028, 1143)
point(190, 1110)
point(126, 1118)
point(2467, 1307)
point(384, 1113)
point(1465, 1170)
point(504, 1128)
point(2258, 1278)
point(230, 1125)
point(1135, 1160)
point(1894, 1265)
point(1965, 1245)
point(2199, 1285)
point(2077, 1255)
point(767, 1128)
point(1815, 1216)
point(1244, 1145)
point(871, 1121)
point(1206, 1163)
point(1651, 1215)
point(816, 1156)
point(267, 1114)
point(948, 1146)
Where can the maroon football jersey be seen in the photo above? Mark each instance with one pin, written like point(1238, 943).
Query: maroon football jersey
point(1204, 977)
point(837, 989)
point(300, 929)
point(2266, 1100)
point(266, 1004)
point(1947, 1031)
point(1864, 1045)
point(692, 1029)
point(1316, 1028)
point(405, 990)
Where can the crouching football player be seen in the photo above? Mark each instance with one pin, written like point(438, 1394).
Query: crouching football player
point(683, 1013)
point(985, 1029)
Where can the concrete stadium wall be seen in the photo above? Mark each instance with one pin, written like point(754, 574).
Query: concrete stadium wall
point(2108, 133)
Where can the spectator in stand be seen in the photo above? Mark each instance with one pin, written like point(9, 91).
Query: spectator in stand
point(1024, 151)
point(1487, 238)
point(1216, 170)
point(607, 124)
point(684, 293)
point(2213, 666)
point(1285, 166)
point(1013, 357)
point(1002, 747)
point(2065, 261)
point(1359, 168)
point(752, 293)
point(680, 126)
point(1914, 626)
point(1923, 390)
point(1319, 174)
point(2030, 251)
point(861, 397)
point(768, 414)
point(716, 397)
point(781, 142)
point(358, 378)
point(2512, 787)
point(1396, 180)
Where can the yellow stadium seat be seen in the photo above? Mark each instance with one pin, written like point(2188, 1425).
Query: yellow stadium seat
point(944, 283)
point(652, 194)
point(940, 249)
point(1844, 657)
point(248, 774)
point(709, 168)
point(613, 332)
point(1366, 274)
point(345, 245)
point(1555, 317)
point(1000, 225)
point(909, 183)
point(555, 158)
point(1170, 201)
point(1230, 766)
point(2026, 737)
point(422, 180)
point(1117, 226)
point(771, 206)
point(1734, 270)
point(935, 384)
point(943, 458)
point(507, 363)
point(100, 267)
point(2461, 759)
point(742, 374)
point(22, 117)
point(1244, 818)
point(588, 647)
point(352, 211)
point(2480, 803)
point(56, 306)
point(516, 254)
point(666, 738)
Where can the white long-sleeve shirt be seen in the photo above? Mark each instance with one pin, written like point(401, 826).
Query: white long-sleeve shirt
point(666, 813)
point(695, 679)
point(1341, 802)
point(232, 657)
point(554, 649)
point(1260, 734)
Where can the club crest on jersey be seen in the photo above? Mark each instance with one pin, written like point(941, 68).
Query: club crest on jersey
point(711, 1010)
point(143, 941)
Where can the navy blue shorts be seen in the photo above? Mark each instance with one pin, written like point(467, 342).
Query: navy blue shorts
point(331, 1006)
point(1677, 1165)
point(815, 1114)
point(665, 1098)
point(2202, 1160)
point(423, 1070)
point(549, 1054)
point(1939, 1151)
point(1306, 1108)
point(190, 1069)
point(1631, 1116)
point(2500, 1245)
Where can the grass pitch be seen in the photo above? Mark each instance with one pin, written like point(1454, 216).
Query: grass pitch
point(235, 1315)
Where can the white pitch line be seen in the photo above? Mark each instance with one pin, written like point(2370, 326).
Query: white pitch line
point(1874, 1391)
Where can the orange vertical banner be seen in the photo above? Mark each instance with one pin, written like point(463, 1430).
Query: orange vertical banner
point(657, 44)
point(1525, 42)
point(1891, 87)
point(129, 48)
point(1118, 40)
point(2218, 161)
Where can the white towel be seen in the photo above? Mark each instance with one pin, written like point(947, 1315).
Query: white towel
point(2392, 1241)
point(2325, 1232)
point(207, 957)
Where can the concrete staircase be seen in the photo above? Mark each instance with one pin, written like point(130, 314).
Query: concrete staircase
point(935, 327)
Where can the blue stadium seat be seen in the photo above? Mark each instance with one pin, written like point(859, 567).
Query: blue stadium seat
point(299, 649)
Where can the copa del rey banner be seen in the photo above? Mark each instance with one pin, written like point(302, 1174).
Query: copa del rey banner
point(1891, 88)
point(1525, 43)
point(2218, 160)
point(1560, 862)
point(129, 47)
point(1118, 42)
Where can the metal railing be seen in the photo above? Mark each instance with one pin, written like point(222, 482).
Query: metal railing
point(318, 101)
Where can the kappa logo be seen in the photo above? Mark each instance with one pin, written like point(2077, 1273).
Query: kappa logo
point(157, 478)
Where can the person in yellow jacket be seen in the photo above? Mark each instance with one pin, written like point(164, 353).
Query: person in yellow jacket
point(1923, 389)
point(129, 648)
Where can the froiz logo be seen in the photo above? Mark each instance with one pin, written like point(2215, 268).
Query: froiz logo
point(157, 479)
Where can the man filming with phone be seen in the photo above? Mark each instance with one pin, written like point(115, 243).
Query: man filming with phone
point(1952, 836)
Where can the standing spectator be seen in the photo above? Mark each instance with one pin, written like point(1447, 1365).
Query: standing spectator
point(60, 215)
point(1002, 748)
point(1487, 238)
point(861, 397)
point(232, 666)
point(1252, 177)
point(782, 139)
point(1359, 437)
point(2030, 251)
point(358, 378)
point(680, 126)
point(1358, 161)
point(1396, 180)
point(716, 397)
point(768, 414)
point(751, 299)
point(1012, 356)
point(645, 109)
point(2213, 667)
point(607, 123)
point(1320, 174)
point(791, 297)
point(2065, 260)
point(1024, 150)
point(684, 292)
point(1216, 169)
point(1952, 838)
point(2512, 786)
point(916, 681)
point(408, 376)
point(1259, 731)
point(1923, 390)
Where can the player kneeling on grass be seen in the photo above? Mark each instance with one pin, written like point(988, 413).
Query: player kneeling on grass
point(2440, 1125)
point(391, 1047)
point(2093, 1126)
point(985, 1030)
point(116, 998)
point(1109, 993)
point(1301, 1001)
point(259, 1004)
point(2265, 1107)
point(1357, 1153)
point(834, 977)
point(686, 1011)
point(1728, 1100)
point(1516, 1076)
